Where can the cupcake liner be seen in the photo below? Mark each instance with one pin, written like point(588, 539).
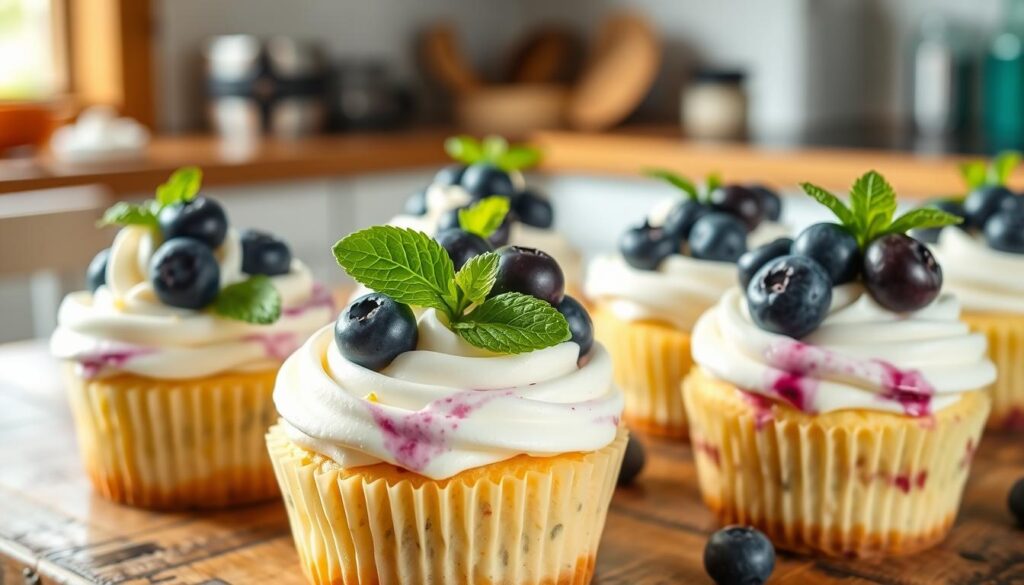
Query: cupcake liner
point(1005, 335)
point(528, 520)
point(849, 483)
point(175, 444)
point(650, 361)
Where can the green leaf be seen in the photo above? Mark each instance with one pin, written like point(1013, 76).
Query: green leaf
point(513, 323)
point(677, 181)
point(1002, 167)
point(518, 158)
point(484, 217)
point(476, 278)
point(922, 218)
point(407, 265)
point(254, 300)
point(465, 149)
point(874, 204)
point(975, 174)
point(835, 204)
point(713, 181)
point(124, 213)
point(183, 186)
point(494, 147)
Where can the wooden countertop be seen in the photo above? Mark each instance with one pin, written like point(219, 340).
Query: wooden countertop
point(623, 152)
point(53, 529)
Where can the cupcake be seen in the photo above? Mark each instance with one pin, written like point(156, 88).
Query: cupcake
point(493, 168)
point(667, 273)
point(476, 443)
point(983, 261)
point(170, 357)
point(838, 399)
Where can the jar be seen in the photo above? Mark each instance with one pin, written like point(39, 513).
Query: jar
point(714, 106)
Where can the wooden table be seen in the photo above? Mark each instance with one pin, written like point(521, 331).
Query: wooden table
point(54, 530)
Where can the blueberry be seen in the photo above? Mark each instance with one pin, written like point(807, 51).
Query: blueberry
point(96, 273)
point(740, 202)
point(645, 247)
point(262, 253)
point(770, 202)
point(461, 245)
point(718, 236)
point(530, 272)
point(449, 175)
point(931, 235)
point(580, 325)
point(632, 462)
point(834, 247)
point(375, 329)
point(184, 273)
point(533, 210)
point(201, 219)
point(1004, 231)
point(981, 203)
point(450, 220)
point(790, 296)
point(484, 179)
point(753, 260)
point(680, 219)
point(416, 204)
point(1013, 204)
point(900, 273)
point(739, 555)
point(1016, 500)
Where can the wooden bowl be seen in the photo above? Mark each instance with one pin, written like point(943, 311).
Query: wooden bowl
point(512, 109)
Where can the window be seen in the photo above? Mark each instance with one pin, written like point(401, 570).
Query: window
point(31, 58)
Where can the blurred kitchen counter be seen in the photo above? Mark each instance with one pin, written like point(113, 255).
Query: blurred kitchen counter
point(623, 152)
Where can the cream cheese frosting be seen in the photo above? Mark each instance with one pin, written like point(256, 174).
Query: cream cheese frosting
point(123, 326)
point(984, 279)
point(861, 357)
point(447, 406)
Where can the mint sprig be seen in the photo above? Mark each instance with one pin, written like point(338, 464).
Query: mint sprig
point(124, 213)
point(254, 300)
point(493, 149)
point(689, 188)
point(414, 269)
point(873, 207)
point(981, 173)
point(182, 186)
point(484, 217)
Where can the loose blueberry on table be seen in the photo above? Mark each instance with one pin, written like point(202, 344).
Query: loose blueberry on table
point(633, 461)
point(1015, 501)
point(739, 555)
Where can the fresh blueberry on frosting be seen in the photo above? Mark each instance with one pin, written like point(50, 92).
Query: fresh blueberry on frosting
point(739, 201)
point(1004, 231)
point(200, 218)
point(644, 247)
point(993, 213)
point(185, 274)
point(682, 217)
point(752, 261)
point(374, 329)
point(580, 324)
point(770, 202)
point(718, 236)
point(450, 175)
point(790, 295)
point(529, 271)
point(901, 273)
point(462, 246)
point(484, 179)
point(834, 247)
point(262, 253)
point(96, 273)
point(533, 210)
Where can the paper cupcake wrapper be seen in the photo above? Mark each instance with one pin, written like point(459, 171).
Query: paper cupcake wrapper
point(520, 522)
point(851, 484)
point(1006, 349)
point(650, 361)
point(169, 444)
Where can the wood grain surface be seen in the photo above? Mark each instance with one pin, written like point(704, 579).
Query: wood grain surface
point(54, 530)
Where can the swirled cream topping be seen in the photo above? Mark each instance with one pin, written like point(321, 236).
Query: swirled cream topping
point(447, 406)
point(124, 327)
point(984, 279)
point(861, 357)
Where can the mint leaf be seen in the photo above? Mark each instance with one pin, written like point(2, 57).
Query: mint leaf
point(975, 174)
point(677, 181)
point(465, 149)
point(476, 278)
point(874, 204)
point(713, 181)
point(484, 217)
point(254, 301)
point(922, 218)
point(182, 186)
point(835, 204)
point(518, 158)
point(407, 265)
point(513, 323)
point(124, 213)
point(1002, 167)
point(494, 147)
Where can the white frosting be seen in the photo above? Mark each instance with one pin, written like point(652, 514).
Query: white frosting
point(447, 406)
point(984, 279)
point(861, 357)
point(124, 327)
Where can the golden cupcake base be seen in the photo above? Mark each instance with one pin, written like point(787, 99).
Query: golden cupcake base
point(525, 521)
point(849, 484)
point(649, 361)
point(1005, 333)
point(169, 445)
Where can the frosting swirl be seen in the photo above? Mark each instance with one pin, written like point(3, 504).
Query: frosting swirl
point(983, 278)
point(124, 327)
point(861, 357)
point(447, 406)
